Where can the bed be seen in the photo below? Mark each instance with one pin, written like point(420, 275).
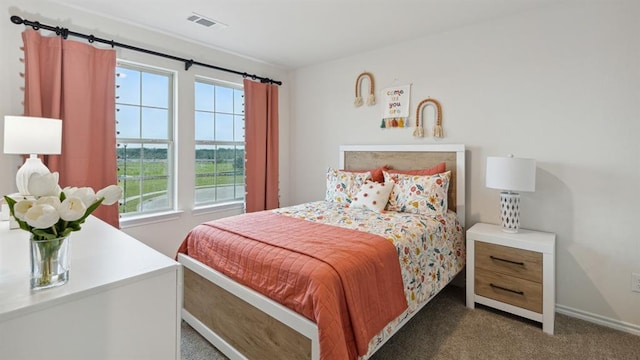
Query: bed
point(247, 324)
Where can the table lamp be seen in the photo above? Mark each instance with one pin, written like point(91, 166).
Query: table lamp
point(510, 174)
point(33, 136)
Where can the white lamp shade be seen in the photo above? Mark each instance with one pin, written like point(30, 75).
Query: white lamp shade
point(511, 173)
point(32, 135)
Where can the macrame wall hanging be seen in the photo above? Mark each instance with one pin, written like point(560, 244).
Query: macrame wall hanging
point(371, 99)
point(437, 127)
point(396, 106)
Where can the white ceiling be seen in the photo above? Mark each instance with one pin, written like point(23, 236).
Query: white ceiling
point(297, 33)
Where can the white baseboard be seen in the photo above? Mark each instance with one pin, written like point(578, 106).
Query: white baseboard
point(598, 319)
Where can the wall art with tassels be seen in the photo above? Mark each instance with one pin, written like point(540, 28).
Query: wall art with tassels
point(371, 99)
point(437, 127)
point(396, 106)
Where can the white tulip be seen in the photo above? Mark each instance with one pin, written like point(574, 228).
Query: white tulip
point(21, 208)
point(69, 190)
point(72, 209)
point(86, 194)
point(42, 216)
point(49, 200)
point(43, 184)
point(111, 194)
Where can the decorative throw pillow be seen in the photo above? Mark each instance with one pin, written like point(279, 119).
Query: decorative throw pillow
point(376, 174)
point(419, 194)
point(373, 195)
point(440, 168)
point(342, 186)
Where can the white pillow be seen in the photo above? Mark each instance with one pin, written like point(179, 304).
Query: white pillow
point(373, 195)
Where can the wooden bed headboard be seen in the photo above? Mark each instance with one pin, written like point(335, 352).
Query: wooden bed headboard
point(412, 157)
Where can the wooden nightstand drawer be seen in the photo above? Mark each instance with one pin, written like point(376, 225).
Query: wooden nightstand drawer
point(508, 289)
point(511, 261)
point(512, 272)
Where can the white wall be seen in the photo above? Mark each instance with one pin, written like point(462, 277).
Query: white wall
point(561, 85)
point(167, 235)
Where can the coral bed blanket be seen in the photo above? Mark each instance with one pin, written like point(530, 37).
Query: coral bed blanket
point(347, 281)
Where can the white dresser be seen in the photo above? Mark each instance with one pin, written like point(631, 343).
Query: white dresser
point(122, 301)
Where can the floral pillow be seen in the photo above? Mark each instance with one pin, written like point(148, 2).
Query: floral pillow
point(342, 186)
point(419, 194)
point(373, 195)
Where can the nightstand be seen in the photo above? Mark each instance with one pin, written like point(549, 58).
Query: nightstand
point(512, 272)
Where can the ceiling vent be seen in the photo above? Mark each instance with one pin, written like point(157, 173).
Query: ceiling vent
point(205, 21)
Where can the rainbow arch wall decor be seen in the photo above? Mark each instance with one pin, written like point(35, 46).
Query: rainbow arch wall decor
point(437, 127)
point(371, 99)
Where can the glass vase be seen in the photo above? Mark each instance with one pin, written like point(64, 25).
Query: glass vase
point(49, 262)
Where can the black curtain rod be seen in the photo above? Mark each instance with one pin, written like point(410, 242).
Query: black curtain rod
point(64, 33)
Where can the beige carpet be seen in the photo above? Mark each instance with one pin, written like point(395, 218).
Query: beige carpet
point(446, 329)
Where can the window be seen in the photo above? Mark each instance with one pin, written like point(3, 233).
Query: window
point(219, 142)
point(144, 138)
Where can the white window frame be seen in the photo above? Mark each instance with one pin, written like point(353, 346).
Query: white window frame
point(145, 217)
point(222, 204)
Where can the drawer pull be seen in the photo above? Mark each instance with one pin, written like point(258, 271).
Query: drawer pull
point(505, 289)
point(505, 260)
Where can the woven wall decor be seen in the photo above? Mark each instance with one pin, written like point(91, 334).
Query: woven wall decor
point(437, 127)
point(371, 99)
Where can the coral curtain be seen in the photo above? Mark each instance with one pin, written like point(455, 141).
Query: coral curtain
point(261, 149)
point(75, 82)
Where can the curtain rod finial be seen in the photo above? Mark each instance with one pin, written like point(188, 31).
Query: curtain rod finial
point(16, 20)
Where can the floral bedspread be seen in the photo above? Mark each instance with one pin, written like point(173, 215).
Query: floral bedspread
point(431, 249)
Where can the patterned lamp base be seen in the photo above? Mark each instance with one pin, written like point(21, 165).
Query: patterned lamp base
point(510, 211)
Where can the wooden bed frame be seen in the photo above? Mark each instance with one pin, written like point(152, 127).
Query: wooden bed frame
point(244, 324)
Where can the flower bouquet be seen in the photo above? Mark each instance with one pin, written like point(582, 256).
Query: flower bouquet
point(50, 214)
